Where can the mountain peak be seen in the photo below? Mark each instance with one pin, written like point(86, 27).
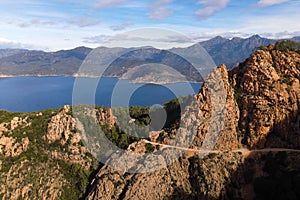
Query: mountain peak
point(255, 37)
point(234, 39)
point(218, 39)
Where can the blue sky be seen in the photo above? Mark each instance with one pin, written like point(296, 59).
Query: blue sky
point(64, 24)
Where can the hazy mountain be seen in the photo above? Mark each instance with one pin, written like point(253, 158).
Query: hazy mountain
point(67, 62)
point(235, 50)
point(144, 56)
point(10, 52)
point(296, 39)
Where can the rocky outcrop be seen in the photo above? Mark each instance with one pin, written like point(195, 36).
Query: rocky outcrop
point(268, 92)
point(186, 177)
point(228, 137)
point(61, 126)
point(105, 117)
point(161, 184)
point(11, 148)
point(16, 121)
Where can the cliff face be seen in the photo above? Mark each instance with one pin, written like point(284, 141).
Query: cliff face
point(228, 139)
point(268, 92)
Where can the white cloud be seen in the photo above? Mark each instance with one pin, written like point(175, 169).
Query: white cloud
point(35, 23)
point(83, 22)
point(159, 10)
point(210, 7)
point(99, 39)
point(159, 38)
point(264, 3)
point(121, 26)
point(273, 24)
point(198, 37)
point(12, 44)
point(107, 3)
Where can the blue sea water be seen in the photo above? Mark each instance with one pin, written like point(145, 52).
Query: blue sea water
point(28, 93)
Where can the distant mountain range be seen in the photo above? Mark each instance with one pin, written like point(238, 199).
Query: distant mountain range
point(16, 62)
point(234, 51)
point(10, 52)
point(24, 62)
point(296, 39)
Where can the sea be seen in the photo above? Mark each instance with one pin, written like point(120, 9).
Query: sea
point(31, 93)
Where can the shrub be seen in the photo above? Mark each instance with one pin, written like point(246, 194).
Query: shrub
point(149, 148)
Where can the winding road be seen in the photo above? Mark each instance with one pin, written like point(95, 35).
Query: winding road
point(246, 152)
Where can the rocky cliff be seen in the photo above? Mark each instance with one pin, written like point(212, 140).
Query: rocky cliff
point(267, 89)
point(261, 112)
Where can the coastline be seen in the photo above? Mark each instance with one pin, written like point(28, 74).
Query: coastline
point(89, 76)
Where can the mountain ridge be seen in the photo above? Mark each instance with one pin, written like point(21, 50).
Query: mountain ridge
point(18, 62)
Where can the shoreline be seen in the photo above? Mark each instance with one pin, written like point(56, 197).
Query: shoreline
point(88, 76)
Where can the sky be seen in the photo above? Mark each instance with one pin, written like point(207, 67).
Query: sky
point(65, 24)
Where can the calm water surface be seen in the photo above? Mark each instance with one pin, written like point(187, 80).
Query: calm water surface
point(26, 94)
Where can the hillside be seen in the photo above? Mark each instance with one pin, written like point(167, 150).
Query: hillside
point(10, 52)
point(42, 156)
point(65, 62)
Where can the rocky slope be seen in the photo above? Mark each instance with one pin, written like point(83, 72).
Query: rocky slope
point(42, 156)
point(262, 111)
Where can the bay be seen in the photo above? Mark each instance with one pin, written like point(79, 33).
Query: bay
point(29, 93)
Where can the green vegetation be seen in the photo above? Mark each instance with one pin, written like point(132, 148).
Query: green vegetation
point(264, 48)
point(140, 114)
point(78, 176)
point(287, 81)
point(284, 46)
point(149, 148)
point(238, 93)
point(35, 165)
point(174, 109)
point(287, 45)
